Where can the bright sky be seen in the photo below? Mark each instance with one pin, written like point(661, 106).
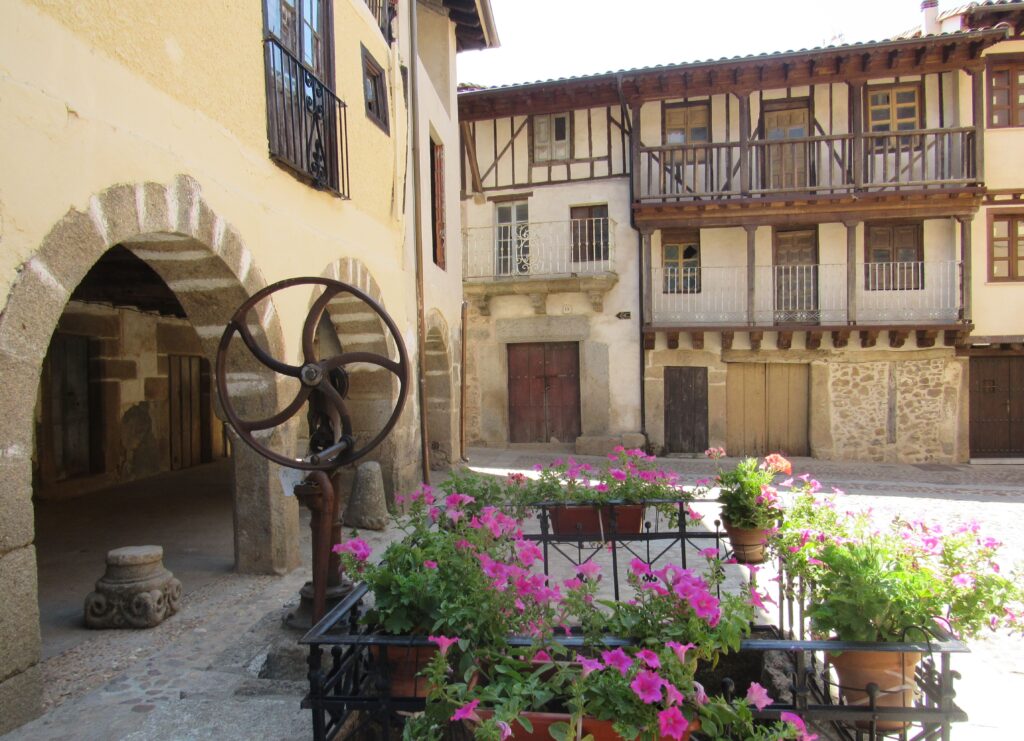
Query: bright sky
point(544, 39)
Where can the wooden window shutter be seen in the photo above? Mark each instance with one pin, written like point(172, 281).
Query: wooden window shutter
point(437, 201)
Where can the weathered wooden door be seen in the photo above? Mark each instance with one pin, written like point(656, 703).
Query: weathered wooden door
point(787, 162)
point(997, 407)
point(188, 422)
point(543, 392)
point(796, 277)
point(68, 405)
point(767, 408)
point(686, 409)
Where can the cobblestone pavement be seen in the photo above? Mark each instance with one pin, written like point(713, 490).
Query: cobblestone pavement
point(198, 675)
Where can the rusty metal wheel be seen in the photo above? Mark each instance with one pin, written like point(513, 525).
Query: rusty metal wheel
point(314, 374)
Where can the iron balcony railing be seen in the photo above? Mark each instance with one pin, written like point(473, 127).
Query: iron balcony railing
point(884, 293)
point(836, 163)
point(383, 11)
point(540, 249)
point(307, 125)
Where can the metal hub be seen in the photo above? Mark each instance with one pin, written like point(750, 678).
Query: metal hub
point(311, 374)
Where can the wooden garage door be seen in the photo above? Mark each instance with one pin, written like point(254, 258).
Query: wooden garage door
point(767, 408)
point(686, 409)
point(544, 392)
point(997, 407)
point(189, 410)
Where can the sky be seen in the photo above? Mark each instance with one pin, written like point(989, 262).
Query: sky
point(545, 39)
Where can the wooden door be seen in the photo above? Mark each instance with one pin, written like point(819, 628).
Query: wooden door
point(187, 420)
point(767, 408)
point(686, 409)
point(787, 162)
point(997, 407)
point(796, 277)
point(68, 405)
point(544, 392)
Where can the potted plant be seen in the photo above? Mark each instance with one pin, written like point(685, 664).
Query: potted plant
point(583, 501)
point(750, 504)
point(906, 583)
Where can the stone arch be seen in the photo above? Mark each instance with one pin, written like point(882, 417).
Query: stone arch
point(439, 408)
point(373, 391)
point(205, 263)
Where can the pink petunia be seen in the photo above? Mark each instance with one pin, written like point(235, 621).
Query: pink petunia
point(589, 665)
point(680, 650)
point(432, 565)
point(639, 567)
point(467, 711)
point(358, 547)
point(709, 553)
point(672, 723)
point(443, 643)
point(590, 569)
point(617, 659)
point(618, 474)
point(758, 696)
point(542, 655)
point(649, 657)
point(798, 722)
point(963, 581)
point(673, 695)
point(701, 697)
point(647, 686)
point(505, 728)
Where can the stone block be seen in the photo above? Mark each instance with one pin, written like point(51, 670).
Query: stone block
point(94, 325)
point(596, 444)
point(107, 348)
point(110, 369)
point(135, 592)
point(154, 217)
point(33, 309)
point(367, 507)
point(119, 213)
point(17, 395)
point(633, 440)
point(186, 191)
point(156, 388)
point(71, 248)
point(177, 339)
point(16, 515)
point(19, 619)
point(21, 698)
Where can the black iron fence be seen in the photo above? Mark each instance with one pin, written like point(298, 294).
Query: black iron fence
point(307, 125)
point(352, 690)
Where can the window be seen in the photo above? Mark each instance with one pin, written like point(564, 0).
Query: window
point(1006, 247)
point(589, 226)
point(551, 137)
point(437, 201)
point(687, 123)
point(512, 248)
point(680, 259)
point(894, 257)
point(376, 91)
point(300, 27)
point(1005, 92)
point(893, 108)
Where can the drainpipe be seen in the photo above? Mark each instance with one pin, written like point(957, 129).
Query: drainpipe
point(421, 329)
point(462, 386)
point(640, 256)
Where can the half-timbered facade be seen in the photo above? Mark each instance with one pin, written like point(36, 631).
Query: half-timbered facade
point(797, 242)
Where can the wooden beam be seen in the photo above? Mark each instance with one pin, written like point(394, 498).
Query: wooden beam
point(784, 340)
point(727, 340)
point(926, 337)
point(751, 235)
point(978, 101)
point(755, 339)
point(813, 340)
point(840, 337)
point(851, 271)
point(673, 340)
point(897, 337)
point(648, 307)
point(649, 340)
point(697, 340)
point(965, 269)
point(868, 337)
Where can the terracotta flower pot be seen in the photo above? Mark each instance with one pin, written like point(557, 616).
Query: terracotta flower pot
point(595, 523)
point(748, 544)
point(601, 730)
point(892, 671)
point(403, 664)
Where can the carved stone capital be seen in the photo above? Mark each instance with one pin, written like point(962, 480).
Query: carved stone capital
point(135, 592)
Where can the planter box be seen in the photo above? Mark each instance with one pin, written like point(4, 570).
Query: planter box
point(601, 730)
point(594, 522)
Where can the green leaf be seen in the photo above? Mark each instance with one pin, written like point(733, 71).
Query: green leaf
point(525, 723)
point(559, 731)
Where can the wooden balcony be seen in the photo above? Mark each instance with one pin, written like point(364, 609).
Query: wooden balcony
point(539, 258)
point(832, 169)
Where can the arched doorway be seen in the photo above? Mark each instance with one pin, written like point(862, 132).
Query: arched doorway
point(208, 271)
point(438, 367)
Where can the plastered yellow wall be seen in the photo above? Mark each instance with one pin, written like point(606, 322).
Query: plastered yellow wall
point(94, 94)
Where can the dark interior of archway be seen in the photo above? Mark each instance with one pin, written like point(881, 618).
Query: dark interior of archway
point(120, 279)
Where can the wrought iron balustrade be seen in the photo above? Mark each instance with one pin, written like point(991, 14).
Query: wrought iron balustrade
point(884, 293)
point(540, 249)
point(383, 11)
point(307, 125)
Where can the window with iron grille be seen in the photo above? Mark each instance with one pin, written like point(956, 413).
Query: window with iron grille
point(1005, 92)
point(1006, 247)
point(589, 229)
point(376, 91)
point(894, 257)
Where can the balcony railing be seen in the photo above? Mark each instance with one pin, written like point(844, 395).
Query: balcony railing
point(540, 249)
point(382, 11)
point(307, 126)
point(837, 163)
point(884, 293)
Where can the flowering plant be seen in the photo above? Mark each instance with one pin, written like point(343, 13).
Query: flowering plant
point(746, 493)
point(895, 584)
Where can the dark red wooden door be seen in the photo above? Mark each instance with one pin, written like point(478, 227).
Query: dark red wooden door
point(544, 392)
point(686, 409)
point(997, 407)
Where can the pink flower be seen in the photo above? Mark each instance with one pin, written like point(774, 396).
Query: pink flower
point(572, 584)
point(798, 722)
point(434, 513)
point(527, 552)
point(672, 693)
point(617, 659)
point(680, 650)
point(709, 553)
point(589, 665)
point(647, 686)
point(618, 474)
point(357, 547)
point(505, 728)
point(639, 568)
point(963, 581)
point(467, 711)
point(590, 569)
point(432, 565)
point(758, 696)
point(542, 655)
point(649, 657)
point(702, 696)
point(672, 723)
point(443, 643)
